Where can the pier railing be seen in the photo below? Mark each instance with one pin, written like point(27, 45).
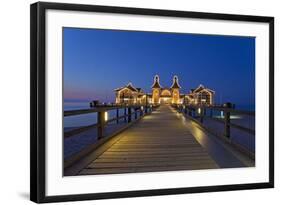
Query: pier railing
point(130, 112)
point(223, 115)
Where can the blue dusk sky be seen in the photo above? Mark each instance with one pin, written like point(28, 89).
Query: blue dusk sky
point(98, 61)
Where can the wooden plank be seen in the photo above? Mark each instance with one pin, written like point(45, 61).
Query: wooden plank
point(150, 164)
point(147, 141)
point(112, 152)
point(152, 159)
point(166, 155)
point(145, 169)
point(154, 146)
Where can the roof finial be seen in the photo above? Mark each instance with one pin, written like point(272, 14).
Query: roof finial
point(156, 83)
point(175, 82)
point(156, 78)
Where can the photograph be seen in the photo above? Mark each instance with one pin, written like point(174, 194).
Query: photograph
point(134, 102)
point(146, 101)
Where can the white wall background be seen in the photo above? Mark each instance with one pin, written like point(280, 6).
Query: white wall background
point(14, 100)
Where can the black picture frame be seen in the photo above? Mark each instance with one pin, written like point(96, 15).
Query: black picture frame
point(38, 97)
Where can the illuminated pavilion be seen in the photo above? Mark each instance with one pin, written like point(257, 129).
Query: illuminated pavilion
point(164, 95)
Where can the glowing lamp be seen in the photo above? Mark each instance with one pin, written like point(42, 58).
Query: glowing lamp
point(105, 116)
point(199, 110)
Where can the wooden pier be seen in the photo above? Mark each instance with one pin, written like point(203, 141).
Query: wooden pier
point(157, 142)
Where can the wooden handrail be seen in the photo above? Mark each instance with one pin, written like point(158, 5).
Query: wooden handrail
point(243, 112)
point(101, 123)
point(191, 110)
point(97, 109)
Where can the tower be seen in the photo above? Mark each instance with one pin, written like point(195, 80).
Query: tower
point(156, 88)
point(175, 88)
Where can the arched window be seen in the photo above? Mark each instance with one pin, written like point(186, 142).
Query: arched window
point(166, 93)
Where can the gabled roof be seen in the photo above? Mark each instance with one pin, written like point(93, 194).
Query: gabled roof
point(209, 90)
point(129, 86)
point(118, 89)
point(156, 83)
point(201, 88)
point(175, 82)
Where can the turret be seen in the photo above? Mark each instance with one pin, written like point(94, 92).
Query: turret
point(175, 90)
point(176, 83)
point(156, 87)
point(156, 83)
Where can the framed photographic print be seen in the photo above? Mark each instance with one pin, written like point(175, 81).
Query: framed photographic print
point(129, 102)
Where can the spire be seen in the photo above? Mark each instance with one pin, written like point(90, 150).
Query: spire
point(156, 83)
point(175, 82)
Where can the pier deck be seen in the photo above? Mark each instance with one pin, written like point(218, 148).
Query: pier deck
point(158, 142)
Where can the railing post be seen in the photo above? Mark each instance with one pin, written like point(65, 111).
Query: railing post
point(185, 109)
point(117, 116)
point(227, 124)
point(100, 124)
point(145, 110)
point(211, 112)
point(136, 113)
point(125, 113)
point(129, 114)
